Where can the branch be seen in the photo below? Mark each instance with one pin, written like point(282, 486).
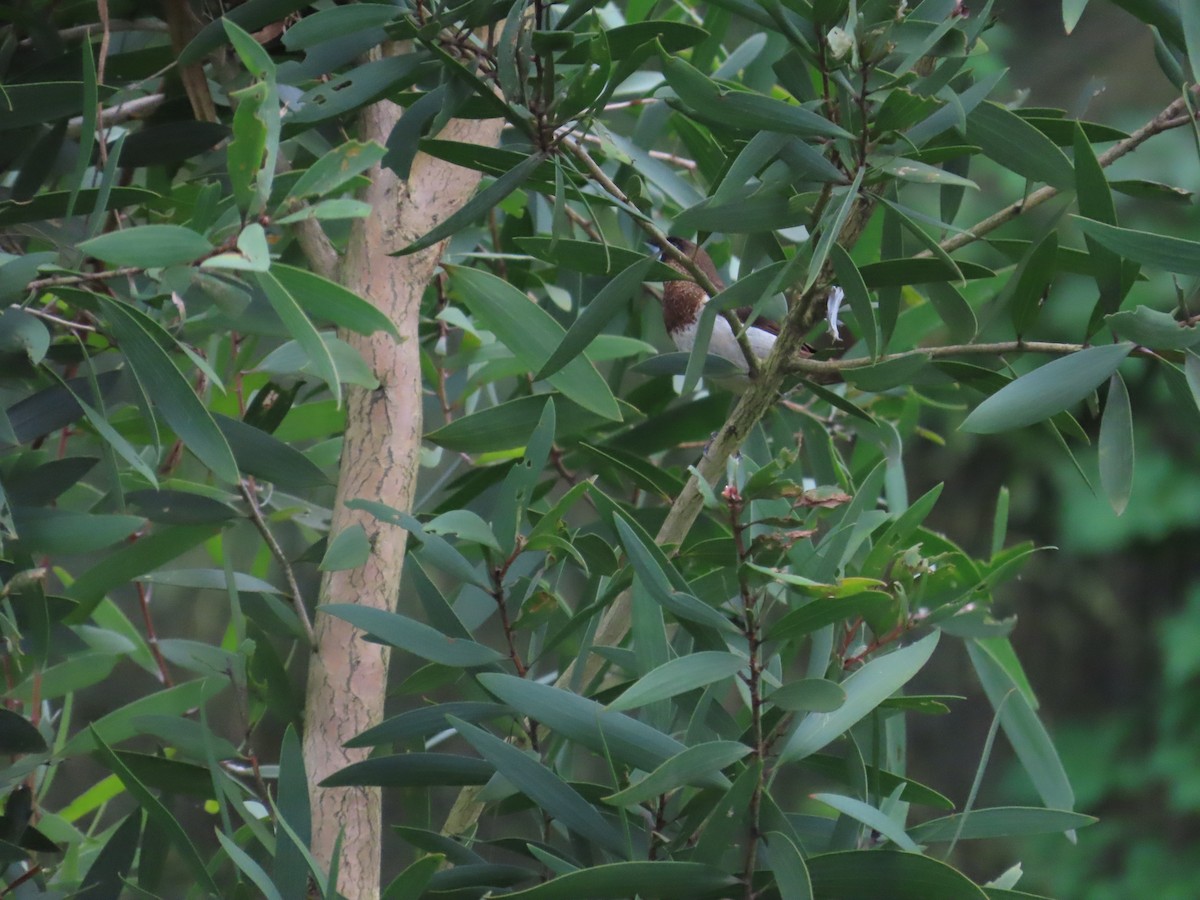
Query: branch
point(318, 248)
point(808, 366)
point(250, 494)
point(1173, 116)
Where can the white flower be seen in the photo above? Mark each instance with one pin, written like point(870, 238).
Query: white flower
point(833, 306)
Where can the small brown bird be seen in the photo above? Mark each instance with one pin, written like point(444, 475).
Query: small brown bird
point(683, 302)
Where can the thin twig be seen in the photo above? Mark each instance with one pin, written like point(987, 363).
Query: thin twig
point(1166, 120)
point(57, 320)
point(682, 162)
point(809, 366)
point(122, 112)
point(64, 280)
point(250, 494)
point(144, 595)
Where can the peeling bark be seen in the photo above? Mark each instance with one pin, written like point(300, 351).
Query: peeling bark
point(348, 676)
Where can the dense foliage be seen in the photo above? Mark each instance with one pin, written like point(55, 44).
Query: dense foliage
point(664, 638)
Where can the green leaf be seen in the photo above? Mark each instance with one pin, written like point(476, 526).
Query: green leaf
point(475, 208)
point(686, 673)
point(420, 723)
point(301, 329)
point(742, 109)
point(413, 881)
point(37, 102)
point(1159, 251)
point(1046, 390)
point(65, 531)
point(341, 163)
point(247, 865)
point(693, 766)
point(865, 690)
point(339, 21)
point(413, 636)
point(1000, 821)
point(851, 281)
point(142, 340)
point(157, 814)
point(352, 89)
point(808, 695)
point(859, 874)
point(348, 549)
point(831, 228)
point(612, 297)
point(329, 301)
point(787, 865)
point(1071, 12)
point(664, 880)
point(587, 722)
point(1024, 730)
point(19, 735)
point(148, 246)
point(592, 258)
point(548, 792)
point(1153, 329)
point(902, 272)
point(1015, 144)
point(1031, 282)
point(265, 456)
point(1189, 16)
point(825, 611)
point(532, 335)
point(122, 724)
point(1116, 445)
point(420, 770)
point(871, 817)
point(160, 547)
point(1096, 202)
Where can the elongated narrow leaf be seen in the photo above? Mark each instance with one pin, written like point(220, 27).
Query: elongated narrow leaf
point(265, 456)
point(413, 636)
point(1046, 390)
point(1159, 251)
point(413, 770)
point(1024, 731)
point(532, 335)
point(742, 109)
point(596, 315)
point(301, 329)
point(679, 675)
point(693, 766)
point(587, 722)
point(173, 396)
point(1116, 445)
point(850, 280)
point(478, 205)
point(858, 875)
point(831, 228)
point(787, 865)
point(1011, 141)
point(1072, 10)
point(148, 245)
point(865, 690)
point(1000, 821)
point(549, 792)
point(1096, 202)
point(341, 163)
point(158, 814)
point(329, 301)
point(871, 817)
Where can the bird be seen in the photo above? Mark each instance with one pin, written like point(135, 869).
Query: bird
point(684, 299)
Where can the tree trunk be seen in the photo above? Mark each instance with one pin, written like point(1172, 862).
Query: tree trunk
point(348, 676)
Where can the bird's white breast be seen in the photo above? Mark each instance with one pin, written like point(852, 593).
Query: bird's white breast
point(723, 343)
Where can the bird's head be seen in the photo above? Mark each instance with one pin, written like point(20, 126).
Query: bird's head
point(695, 253)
